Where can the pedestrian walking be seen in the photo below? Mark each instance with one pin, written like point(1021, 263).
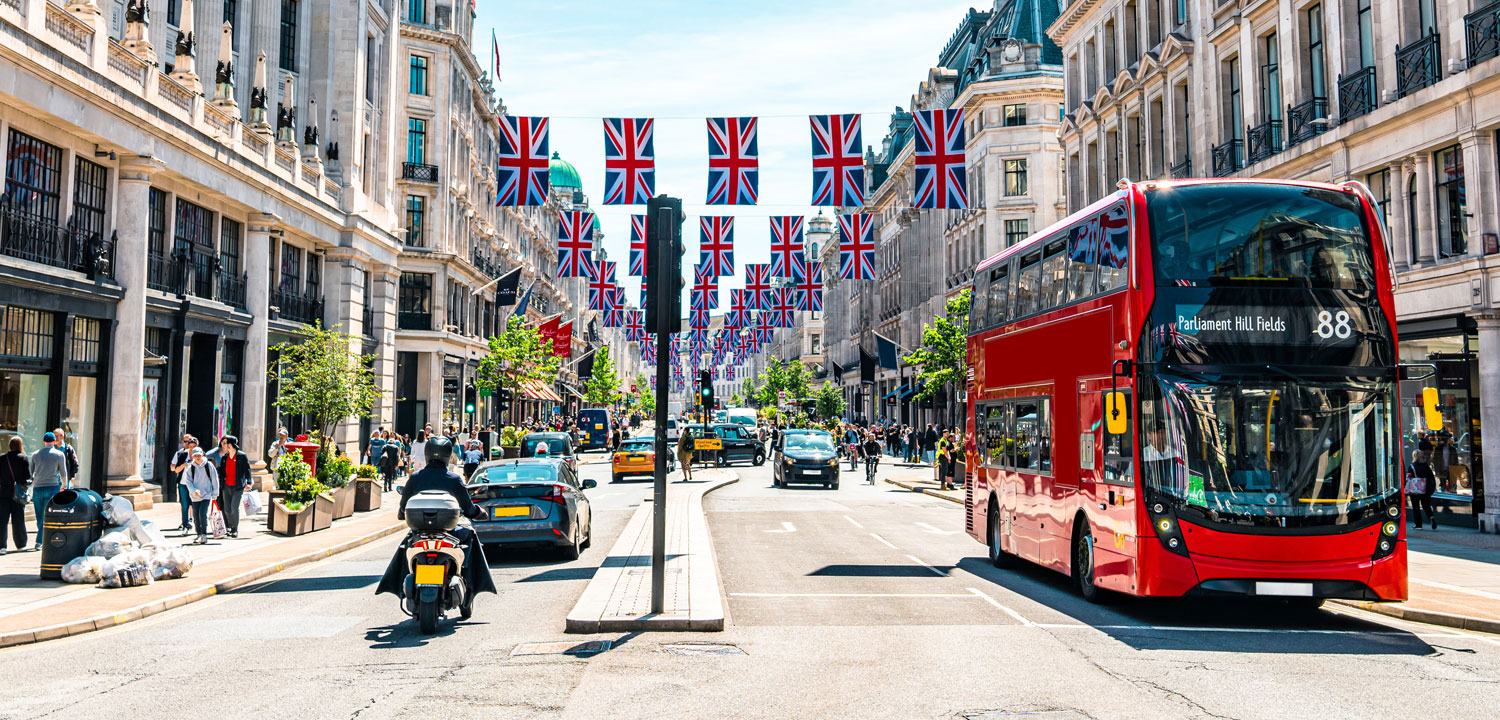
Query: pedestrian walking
point(1421, 485)
point(15, 491)
point(234, 473)
point(929, 444)
point(685, 453)
point(274, 452)
point(419, 447)
point(390, 460)
point(201, 479)
point(473, 455)
point(72, 455)
point(372, 450)
point(945, 460)
point(180, 460)
point(49, 476)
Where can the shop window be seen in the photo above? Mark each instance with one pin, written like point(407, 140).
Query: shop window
point(33, 177)
point(23, 408)
point(26, 335)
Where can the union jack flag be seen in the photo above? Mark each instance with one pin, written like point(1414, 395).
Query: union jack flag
point(941, 173)
point(838, 161)
point(733, 161)
point(648, 356)
point(645, 291)
point(521, 172)
point(638, 246)
point(786, 246)
point(856, 247)
point(629, 161)
point(635, 325)
point(575, 238)
point(736, 315)
point(716, 246)
point(601, 284)
point(783, 307)
point(698, 317)
point(614, 310)
point(757, 286)
point(764, 336)
point(708, 285)
point(810, 289)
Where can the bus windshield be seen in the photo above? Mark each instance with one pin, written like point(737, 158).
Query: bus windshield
point(1269, 452)
point(1259, 234)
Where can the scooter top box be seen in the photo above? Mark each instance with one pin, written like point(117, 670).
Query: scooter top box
point(432, 511)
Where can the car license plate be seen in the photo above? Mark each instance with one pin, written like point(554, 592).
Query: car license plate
point(812, 473)
point(1287, 589)
point(637, 458)
point(430, 574)
point(503, 512)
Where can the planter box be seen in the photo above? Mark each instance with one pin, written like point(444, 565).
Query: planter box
point(290, 522)
point(322, 507)
point(512, 451)
point(367, 494)
point(343, 501)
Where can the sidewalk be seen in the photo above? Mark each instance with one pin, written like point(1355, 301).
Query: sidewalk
point(33, 610)
point(619, 595)
point(1453, 573)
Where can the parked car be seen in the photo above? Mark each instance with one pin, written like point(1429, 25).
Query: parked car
point(807, 456)
point(532, 501)
point(594, 425)
point(637, 456)
point(559, 445)
point(737, 444)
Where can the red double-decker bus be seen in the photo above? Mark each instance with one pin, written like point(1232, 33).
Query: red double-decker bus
point(1189, 387)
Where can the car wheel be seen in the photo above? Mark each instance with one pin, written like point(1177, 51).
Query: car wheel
point(760, 459)
point(615, 477)
point(1083, 567)
point(588, 536)
point(573, 550)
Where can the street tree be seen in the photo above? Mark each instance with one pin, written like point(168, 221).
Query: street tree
point(750, 391)
point(645, 398)
point(518, 355)
point(320, 375)
point(830, 402)
point(604, 387)
point(942, 360)
point(794, 380)
point(770, 383)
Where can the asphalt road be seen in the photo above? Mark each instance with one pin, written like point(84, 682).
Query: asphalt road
point(864, 602)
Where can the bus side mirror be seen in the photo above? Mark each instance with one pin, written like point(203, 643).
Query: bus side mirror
point(1430, 410)
point(1116, 413)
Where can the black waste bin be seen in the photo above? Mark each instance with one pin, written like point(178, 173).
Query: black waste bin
point(72, 521)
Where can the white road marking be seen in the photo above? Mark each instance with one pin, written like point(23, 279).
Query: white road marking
point(850, 595)
point(1005, 609)
point(854, 522)
point(786, 527)
point(936, 531)
point(887, 542)
point(934, 570)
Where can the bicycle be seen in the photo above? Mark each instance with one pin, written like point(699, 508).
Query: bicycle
point(871, 463)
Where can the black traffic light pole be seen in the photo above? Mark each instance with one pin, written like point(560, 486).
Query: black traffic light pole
point(663, 317)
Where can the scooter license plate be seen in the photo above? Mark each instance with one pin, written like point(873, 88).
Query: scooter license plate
point(430, 575)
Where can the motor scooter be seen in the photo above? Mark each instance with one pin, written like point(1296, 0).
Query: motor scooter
point(435, 559)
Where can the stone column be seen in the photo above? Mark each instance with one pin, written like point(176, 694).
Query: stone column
point(344, 270)
point(435, 389)
point(1489, 415)
point(257, 437)
point(1425, 228)
point(128, 345)
point(1479, 175)
point(1400, 231)
point(387, 280)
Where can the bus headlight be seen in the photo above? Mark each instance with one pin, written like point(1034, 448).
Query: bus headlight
point(1168, 530)
point(1390, 532)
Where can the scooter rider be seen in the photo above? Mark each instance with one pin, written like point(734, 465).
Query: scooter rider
point(437, 476)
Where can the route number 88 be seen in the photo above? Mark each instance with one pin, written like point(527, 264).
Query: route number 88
point(1331, 325)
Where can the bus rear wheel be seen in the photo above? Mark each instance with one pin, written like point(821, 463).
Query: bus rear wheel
point(1083, 565)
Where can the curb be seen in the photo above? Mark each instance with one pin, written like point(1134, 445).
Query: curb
point(1426, 617)
point(229, 584)
point(923, 490)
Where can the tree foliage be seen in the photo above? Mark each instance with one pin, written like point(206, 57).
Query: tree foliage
point(604, 387)
point(829, 402)
point(794, 380)
point(321, 376)
point(517, 355)
point(943, 357)
point(644, 398)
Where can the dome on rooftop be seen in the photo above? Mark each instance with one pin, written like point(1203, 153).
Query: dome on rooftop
point(563, 174)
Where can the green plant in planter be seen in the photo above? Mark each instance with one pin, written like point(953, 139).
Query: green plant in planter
point(368, 472)
point(336, 472)
point(303, 492)
point(511, 436)
point(290, 469)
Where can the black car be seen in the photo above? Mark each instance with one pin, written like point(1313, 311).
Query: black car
point(532, 501)
point(736, 444)
point(559, 445)
point(807, 456)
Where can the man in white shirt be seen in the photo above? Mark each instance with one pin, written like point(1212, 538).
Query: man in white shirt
point(1157, 448)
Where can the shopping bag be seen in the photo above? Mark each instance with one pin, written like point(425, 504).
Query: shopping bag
point(252, 503)
point(216, 524)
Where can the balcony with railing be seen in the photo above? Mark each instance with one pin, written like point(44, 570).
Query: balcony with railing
point(1228, 157)
point(1417, 64)
point(232, 289)
point(296, 307)
point(1482, 33)
point(1357, 94)
point(419, 172)
point(1264, 140)
point(1306, 120)
point(161, 273)
point(485, 264)
point(1182, 168)
point(34, 238)
point(205, 268)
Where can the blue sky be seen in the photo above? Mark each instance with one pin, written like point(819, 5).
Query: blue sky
point(681, 62)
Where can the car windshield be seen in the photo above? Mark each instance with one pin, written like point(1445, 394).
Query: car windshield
point(1259, 234)
point(808, 441)
point(1269, 452)
point(556, 445)
point(636, 446)
point(497, 474)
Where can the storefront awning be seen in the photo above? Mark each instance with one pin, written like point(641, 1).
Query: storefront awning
point(573, 391)
point(891, 396)
point(537, 390)
point(907, 391)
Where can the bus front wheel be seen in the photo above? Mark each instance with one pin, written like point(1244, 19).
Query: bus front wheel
point(998, 556)
point(1083, 565)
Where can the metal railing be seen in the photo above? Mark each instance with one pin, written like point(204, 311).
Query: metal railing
point(1306, 120)
point(419, 172)
point(1482, 33)
point(34, 238)
point(1182, 169)
point(232, 289)
point(161, 273)
point(1357, 94)
point(1417, 64)
point(297, 307)
point(485, 264)
point(1228, 157)
point(1264, 140)
point(205, 267)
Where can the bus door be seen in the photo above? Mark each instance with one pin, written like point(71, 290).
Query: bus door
point(1107, 485)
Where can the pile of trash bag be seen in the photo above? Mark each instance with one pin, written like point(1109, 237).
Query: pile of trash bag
point(131, 552)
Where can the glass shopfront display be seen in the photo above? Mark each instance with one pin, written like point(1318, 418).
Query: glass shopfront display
point(1456, 455)
point(78, 424)
point(23, 408)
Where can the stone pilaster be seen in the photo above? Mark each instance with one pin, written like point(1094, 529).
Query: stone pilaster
point(1426, 229)
point(257, 437)
point(128, 344)
point(1489, 415)
point(1400, 229)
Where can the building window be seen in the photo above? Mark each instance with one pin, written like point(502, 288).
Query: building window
point(416, 141)
point(1015, 177)
point(416, 11)
point(415, 301)
point(372, 69)
point(194, 225)
point(1014, 115)
point(90, 183)
point(291, 268)
point(416, 220)
point(174, 8)
point(231, 16)
point(1317, 70)
point(1414, 247)
point(85, 341)
point(1380, 184)
point(33, 177)
point(417, 84)
point(1236, 115)
point(229, 247)
point(1452, 237)
point(288, 58)
point(156, 227)
point(314, 276)
point(1016, 231)
point(26, 334)
point(1364, 24)
point(1270, 79)
point(1180, 15)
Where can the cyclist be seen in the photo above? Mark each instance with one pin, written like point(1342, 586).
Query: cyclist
point(870, 450)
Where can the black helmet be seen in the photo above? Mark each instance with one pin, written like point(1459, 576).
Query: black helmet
point(439, 450)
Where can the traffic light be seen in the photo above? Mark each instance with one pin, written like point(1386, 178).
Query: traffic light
point(471, 395)
point(664, 250)
point(705, 390)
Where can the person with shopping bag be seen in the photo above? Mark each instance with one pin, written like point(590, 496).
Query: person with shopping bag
point(234, 475)
point(15, 492)
point(201, 480)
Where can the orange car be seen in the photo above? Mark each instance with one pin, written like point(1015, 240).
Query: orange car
point(637, 456)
